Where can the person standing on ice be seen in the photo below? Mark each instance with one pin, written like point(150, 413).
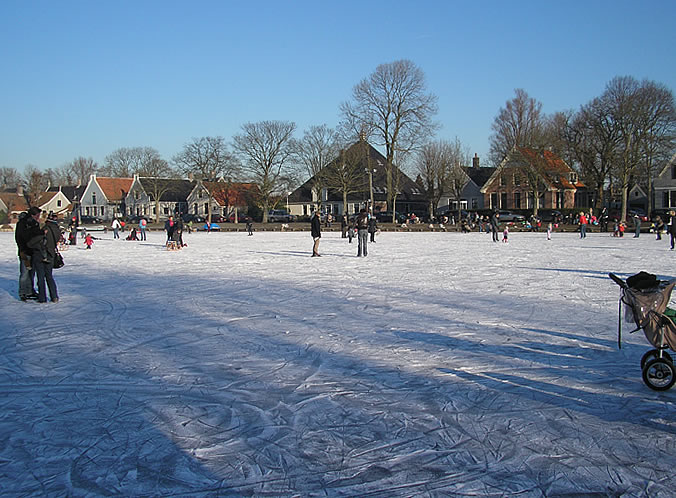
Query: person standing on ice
point(361, 223)
point(169, 227)
point(495, 225)
point(583, 225)
point(316, 232)
point(549, 231)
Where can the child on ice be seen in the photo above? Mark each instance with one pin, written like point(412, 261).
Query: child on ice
point(89, 240)
point(505, 234)
point(549, 232)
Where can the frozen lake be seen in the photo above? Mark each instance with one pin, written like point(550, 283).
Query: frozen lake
point(442, 364)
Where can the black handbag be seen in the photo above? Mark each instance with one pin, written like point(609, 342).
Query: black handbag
point(58, 260)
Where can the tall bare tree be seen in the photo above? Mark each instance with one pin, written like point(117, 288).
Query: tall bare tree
point(519, 123)
point(207, 158)
point(265, 148)
point(79, 170)
point(130, 161)
point(10, 178)
point(36, 183)
point(392, 107)
point(439, 168)
point(348, 175)
point(318, 147)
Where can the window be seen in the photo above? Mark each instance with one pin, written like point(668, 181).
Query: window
point(517, 179)
point(673, 199)
point(94, 210)
point(86, 210)
point(103, 210)
point(475, 204)
point(517, 200)
point(503, 200)
point(673, 172)
point(494, 200)
point(137, 195)
point(165, 210)
point(573, 178)
point(206, 208)
point(94, 198)
point(58, 203)
point(503, 181)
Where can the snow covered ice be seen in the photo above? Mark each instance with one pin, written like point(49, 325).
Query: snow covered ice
point(442, 364)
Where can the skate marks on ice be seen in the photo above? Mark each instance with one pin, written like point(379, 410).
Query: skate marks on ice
point(386, 382)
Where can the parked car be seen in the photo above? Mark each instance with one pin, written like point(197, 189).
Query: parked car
point(187, 218)
point(637, 212)
point(507, 216)
point(280, 216)
point(90, 220)
point(241, 218)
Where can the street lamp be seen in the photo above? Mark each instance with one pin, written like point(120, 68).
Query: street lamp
point(370, 172)
point(287, 202)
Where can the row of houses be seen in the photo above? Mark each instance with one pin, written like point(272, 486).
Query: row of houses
point(524, 174)
point(107, 198)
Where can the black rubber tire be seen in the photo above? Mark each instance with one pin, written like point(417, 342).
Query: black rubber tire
point(654, 353)
point(659, 374)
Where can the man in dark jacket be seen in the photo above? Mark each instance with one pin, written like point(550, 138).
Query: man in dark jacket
point(316, 231)
point(25, 226)
point(373, 228)
point(495, 225)
point(361, 223)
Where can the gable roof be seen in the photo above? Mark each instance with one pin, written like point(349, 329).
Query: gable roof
point(171, 189)
point(70, 191)
point(13, 201)
point(551, 169)
point(374, 160)
point(479, 175)
point(115, 189)
point(231, 194)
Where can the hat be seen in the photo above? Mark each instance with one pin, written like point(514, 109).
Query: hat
point(52, 216)
point(34, 210)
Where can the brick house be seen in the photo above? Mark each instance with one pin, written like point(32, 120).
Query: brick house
point(525, 172)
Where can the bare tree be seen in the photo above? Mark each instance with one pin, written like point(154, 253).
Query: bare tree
point(79, 170)
point(348, 175)
point(36, 184)
point(392, 107)
point(265, 148)
point(10, 177)
point(208, 159)
point(129, 161)
point(318, 147)
point(657, 117)
point(520, 123)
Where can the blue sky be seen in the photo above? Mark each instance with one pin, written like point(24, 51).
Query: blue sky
point(83, 78)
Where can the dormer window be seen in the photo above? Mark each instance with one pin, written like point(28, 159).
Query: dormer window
point(93, 197)
point(573, 178)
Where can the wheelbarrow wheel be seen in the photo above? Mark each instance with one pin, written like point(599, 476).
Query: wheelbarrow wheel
point(655, 353)
point(659, 375)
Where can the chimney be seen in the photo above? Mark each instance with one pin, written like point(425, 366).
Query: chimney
point(475, 161)
point(19, 189)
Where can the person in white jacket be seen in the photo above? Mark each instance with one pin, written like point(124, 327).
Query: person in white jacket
point(116, 228)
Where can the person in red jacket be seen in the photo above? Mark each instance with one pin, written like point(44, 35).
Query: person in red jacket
point(583, 225)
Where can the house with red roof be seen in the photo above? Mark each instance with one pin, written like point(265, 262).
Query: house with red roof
point(225, 198)
point(526, 175)
point(13, 202)
point(104, 197)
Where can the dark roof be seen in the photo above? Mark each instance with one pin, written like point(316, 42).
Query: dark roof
point(171, 189)
point(409, 190)
point(70, 191)
point(479, 175)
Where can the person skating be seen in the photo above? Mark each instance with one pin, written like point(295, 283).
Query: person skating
point(361, 223)
point(583, 225)
point(316, 232)
point(116, 228)
point(373, 228)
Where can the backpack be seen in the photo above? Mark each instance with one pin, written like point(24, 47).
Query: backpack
point(642, 281)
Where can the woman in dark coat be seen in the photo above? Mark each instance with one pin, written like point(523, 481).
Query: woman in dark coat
point(373, 228)
point(43, 268)
point(316, 231)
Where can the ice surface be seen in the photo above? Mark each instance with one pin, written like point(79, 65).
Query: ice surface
point(442, 364)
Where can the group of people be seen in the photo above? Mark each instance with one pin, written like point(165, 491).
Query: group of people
point(364, 224)
point(37, 236)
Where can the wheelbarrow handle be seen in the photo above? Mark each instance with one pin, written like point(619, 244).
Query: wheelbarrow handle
point(618, 280)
